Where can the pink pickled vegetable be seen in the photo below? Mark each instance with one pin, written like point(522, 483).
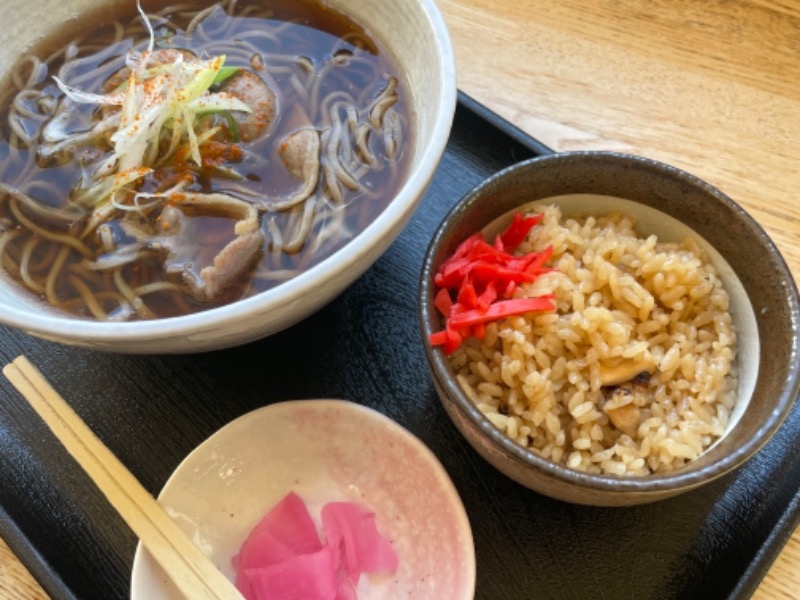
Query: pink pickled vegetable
point(301, 577)
point(284, 559)
point(350, 528)
point(285, 532)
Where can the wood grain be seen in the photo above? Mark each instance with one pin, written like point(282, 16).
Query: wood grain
point(16, 583)
point(712, 87)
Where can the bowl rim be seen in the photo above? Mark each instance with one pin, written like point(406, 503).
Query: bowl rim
point(652, 483)
point(37, 319)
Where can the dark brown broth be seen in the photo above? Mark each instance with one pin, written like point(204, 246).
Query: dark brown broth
point(310, 30)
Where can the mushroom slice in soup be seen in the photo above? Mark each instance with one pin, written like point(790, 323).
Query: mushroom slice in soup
point(233, 259)
point(300, 152)
point(231, 262)
point(176, 241)
point(66, 131)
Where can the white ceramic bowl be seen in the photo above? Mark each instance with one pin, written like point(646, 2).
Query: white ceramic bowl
point(324, 451)
point(415, 33)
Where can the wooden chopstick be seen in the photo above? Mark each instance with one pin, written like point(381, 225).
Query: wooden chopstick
point(192, 572)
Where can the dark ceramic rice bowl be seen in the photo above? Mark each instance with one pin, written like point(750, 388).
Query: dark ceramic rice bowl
point(758, 269)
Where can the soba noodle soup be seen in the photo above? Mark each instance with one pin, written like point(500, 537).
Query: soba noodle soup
point(177, 160)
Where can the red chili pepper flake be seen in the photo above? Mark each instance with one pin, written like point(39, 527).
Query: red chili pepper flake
point(477, 281)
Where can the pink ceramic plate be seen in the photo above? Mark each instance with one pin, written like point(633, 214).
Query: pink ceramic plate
point(324, 450)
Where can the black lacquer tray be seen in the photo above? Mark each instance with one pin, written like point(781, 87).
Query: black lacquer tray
point(365, 346)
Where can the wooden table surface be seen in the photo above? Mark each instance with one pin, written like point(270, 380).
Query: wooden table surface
point(711, 86)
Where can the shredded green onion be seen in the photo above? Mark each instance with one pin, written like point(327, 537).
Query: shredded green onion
point(225, 73)
point(158, 104)
point(233, 128)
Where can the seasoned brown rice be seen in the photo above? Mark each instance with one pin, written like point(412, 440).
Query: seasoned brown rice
point(564, 384)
